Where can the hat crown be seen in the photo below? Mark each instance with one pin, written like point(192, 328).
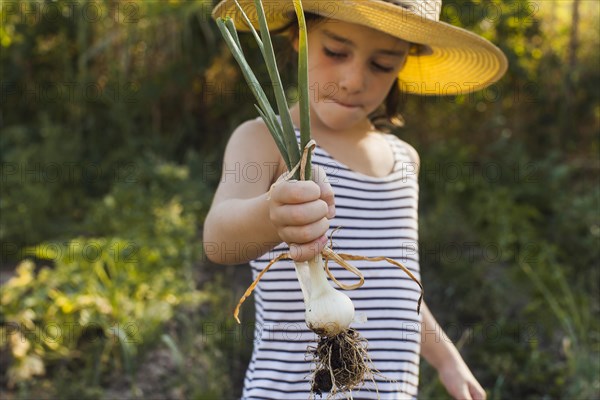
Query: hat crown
point(428, 9)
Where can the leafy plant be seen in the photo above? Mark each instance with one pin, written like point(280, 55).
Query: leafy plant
point(97, 301)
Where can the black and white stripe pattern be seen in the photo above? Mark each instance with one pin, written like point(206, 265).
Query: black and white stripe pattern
point(378, 217)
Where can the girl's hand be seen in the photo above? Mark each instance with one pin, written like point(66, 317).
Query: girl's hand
point(460, 382)
point(300, 211)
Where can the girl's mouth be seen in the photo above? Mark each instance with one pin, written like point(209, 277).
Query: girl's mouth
point(346, 105)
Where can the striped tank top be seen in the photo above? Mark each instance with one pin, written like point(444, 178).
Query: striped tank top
point(377, 217)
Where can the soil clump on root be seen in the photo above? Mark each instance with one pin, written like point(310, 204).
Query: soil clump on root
point(341, 363)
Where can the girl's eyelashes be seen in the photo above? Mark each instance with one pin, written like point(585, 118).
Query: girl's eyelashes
point(339, 56)
point(381, 68)
point(333, 54)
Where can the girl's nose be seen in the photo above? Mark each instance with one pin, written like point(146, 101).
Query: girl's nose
point(353, 79)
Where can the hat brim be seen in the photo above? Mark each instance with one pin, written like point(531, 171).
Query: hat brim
point(457, 61)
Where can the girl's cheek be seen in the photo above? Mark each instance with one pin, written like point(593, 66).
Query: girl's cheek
point(321, 79)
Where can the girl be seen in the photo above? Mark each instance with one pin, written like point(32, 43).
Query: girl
point(362, 53)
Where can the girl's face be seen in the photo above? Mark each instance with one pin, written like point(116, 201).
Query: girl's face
point(351, 70)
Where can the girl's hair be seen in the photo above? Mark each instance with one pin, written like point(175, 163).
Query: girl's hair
point(387, 116)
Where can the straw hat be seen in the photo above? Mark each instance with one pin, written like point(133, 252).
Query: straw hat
point(450, 61)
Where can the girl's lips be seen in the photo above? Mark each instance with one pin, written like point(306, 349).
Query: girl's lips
point(345, 104)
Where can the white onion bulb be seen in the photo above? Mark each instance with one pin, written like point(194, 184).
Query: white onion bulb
point(328, 311)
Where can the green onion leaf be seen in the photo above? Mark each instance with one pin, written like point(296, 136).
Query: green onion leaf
point(280, 125)
point(289, 138)
point(303, 85)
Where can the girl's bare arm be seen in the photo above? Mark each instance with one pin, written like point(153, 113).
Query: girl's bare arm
point(441, 353)
point(244, 222)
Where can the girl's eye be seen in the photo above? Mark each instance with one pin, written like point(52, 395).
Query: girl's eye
point(382, 68)
point(336, 55)
point(332, 54)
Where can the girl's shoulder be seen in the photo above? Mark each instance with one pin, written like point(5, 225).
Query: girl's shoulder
point(410, 150)
point(251, 144)
point(256, 128)
point(252, 134)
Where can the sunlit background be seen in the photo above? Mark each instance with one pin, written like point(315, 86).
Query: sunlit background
point(114, 116)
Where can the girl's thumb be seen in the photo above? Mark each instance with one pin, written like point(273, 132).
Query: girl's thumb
point(320, 178)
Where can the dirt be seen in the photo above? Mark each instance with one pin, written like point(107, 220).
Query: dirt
point(341, 363)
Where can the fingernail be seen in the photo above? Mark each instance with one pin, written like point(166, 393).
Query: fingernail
point(323, 240)
point(295, 251)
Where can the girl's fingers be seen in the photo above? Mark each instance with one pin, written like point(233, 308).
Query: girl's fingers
point(476, 391)
point(304, 234)
point(300, 210)
point(307, 251)
point(300, 214)
point(464, 393)
point(298, 192)
point(327, 195)
point(295, 192)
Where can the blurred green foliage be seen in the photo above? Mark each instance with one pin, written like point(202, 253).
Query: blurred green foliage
point(97, 300)
point(114, 117)
point(513, 278)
